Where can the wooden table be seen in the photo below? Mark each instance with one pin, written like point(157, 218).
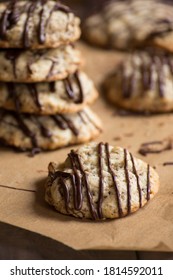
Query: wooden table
point(19, 244)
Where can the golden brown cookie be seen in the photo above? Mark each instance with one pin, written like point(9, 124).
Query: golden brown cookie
point(143, 83)
point(130, 24)
point(64, 96)
point(36, 24)
point(31, 132)
point(99, 181)
point(27, 66)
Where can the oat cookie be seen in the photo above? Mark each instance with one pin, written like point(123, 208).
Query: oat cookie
point(36, 24)
point(65, 96)
point(99, 181)
point(27, 66)
point(129, 24)
point(143, 83)
point(31, 132)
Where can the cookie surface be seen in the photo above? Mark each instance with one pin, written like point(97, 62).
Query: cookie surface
point(129, 24)
point(36, 24)
point(99, 181)
point(66, 96)
point(143, 83)
point(31, 132)
point(27, 66)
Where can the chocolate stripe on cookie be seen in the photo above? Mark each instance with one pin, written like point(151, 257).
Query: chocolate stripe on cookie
point(13, 12)
point(84, 115)
point(12, 92)
point(111, 171)
point(45, 132)
point(128, 182)
point(35, 95)
point(9, 18)
point(147, 75)
point(160, 75)
point(75, 158)
point(126, 81)
point(30, 11)
point(13, 55)
point(148, 183)
point(137, 180)
point(26, 129)
point(101, 182)
point(77, 184)
point(69, 88)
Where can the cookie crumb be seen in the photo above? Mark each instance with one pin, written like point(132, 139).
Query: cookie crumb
point(118, 138)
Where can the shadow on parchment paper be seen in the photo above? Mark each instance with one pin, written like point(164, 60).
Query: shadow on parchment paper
point(42, 208)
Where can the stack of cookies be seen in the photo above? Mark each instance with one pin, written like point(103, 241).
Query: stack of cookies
point(44, 95)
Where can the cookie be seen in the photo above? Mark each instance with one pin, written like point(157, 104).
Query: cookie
point(31, 132)
point(28, 66)
point(129, 24)
point(99, 182)
point(36, 24)
point(65, 96)
point(143, 83)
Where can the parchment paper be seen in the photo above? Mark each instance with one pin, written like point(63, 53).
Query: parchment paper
point(151, 228)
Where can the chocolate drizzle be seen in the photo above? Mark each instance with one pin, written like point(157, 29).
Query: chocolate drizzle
point(42, 25)
point(75, 158)
point(81, 94)
point(52, 87)
point(45, 132)
point(128, 182)
point(111, 171)
point(137, 180)
point(147, 76)
point(101, 183)
point(9, 18)
point(31, 8)
point(35, 95)
point(155, 147)
point(86, 118)
point(167, 163)
point(160, 75)
point(12, 92)
point(65, 123)
point(79, 182)
point(51, 72)
point(13, 12)
point(148, 183)
point(69, 88)
point(126, 81)
point(25, 129)
point(12, 55)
